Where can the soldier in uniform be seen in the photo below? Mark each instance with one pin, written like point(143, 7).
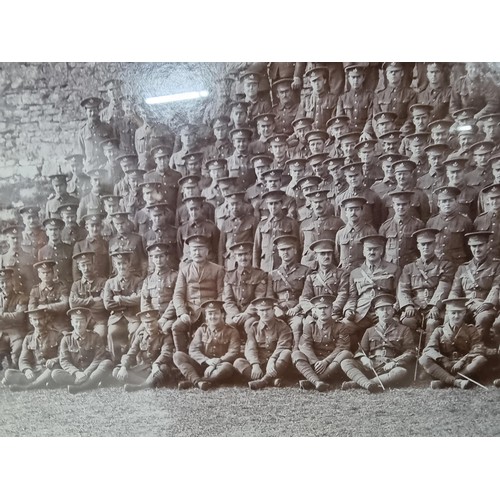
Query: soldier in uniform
point(198, 281)
point(238, 114)
point(39, 355)
point(440, 131)
point(93, 242)
point(347, 147)
point(82, 356)
point(268, 348)
point(151, 194)
point(467, 199)
point(390, 142)
point(92, 132)
point(490, 219)
point(17, 259)
point(395, 97)
point(60, 195)
point(384, 122)
point(148, 363)
point(401, 247)
point(126, 240)
point(265, 255)
point(323, 346)
point(273, 181)
point(260, 164)
point(296, 168)
point(386, 349)
point(238, 164)
point(188, 188)
point(299, 147)
point(319, 225)
point(122, 295)
point(490, 124)
point(13, 327)
point(71, 232)
point(374, 276)
point(316, 140)
point(453, 348)
point(436, 176)
point(93, 200)
point(257, 104)
point(238, 227)
point(318, 166)
point(348, 246)
point(415, 150)
point(384, 186)
point(222, 148)
point(423, 285)
point(286, 284)
point(479, 281)
point(217, 169)
point(88, 292)
point(241, 286)
point(367, 156)
point(214, 348)
point(320, 104)
point(437, 92)
point(56, 250)
point(33, 236)
point(452, 226)
point(286, 106)
point(278, 147)
point(265, 124)
point(373, 211)
point(481, 175)
point(336, 126)
point(188, 138)
point(357, 102)
point(78, 183)
point(127, 125)
point(158, 286)
point(113, 112)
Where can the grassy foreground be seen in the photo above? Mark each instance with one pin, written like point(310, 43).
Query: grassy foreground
point(237, 411)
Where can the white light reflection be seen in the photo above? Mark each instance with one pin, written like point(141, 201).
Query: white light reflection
point(184, 96)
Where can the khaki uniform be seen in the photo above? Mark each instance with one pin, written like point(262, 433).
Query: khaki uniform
point(490, 221)
point(100, 248)
point(54, 203)
point(158, 290)
point(55, 299)
point(22, 264)
point(132, 242)
point(438, 98)
point(13, 325)
point(358, 106)
point(348, 248)
point(32, 242)
point(318, 107)
point(234, 230)
point(90, 137)
point(204, 227)
point(396, 100)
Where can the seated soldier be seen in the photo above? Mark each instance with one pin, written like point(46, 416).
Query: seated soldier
point(50, 294)
point(88, 292)
point(490, 219)
point(82, 356)
point(39, 355)
point(268, 352)
point(198, 281)
point(13, 327)
point(385, 352)
point(323, 346)
point(401, 248)
point(286, 283)
point(148, 363)
point(122, 295)
point(479, 281)
point(453, 348)
point(423, 285)
point(241, 286)
point(327, 279)
point(374, 276)
point(214, 348)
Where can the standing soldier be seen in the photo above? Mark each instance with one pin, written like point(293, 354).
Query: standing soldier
point(71, 232)
point(260, 164)
point(92, 132)
point(198, 281)
point(265, 125)
point(437, 93)
point(257, 104)
point(241, 286)
point(33, 236)
point(479, 281)
point(401, 247)
point(18, 260)
point(348, 246)
point(273, 180)
point(56, 250)
point(148, 363)
point(39, 355)
point(13, 327)
point(217, 169)
point(386, 349)
point(453, 349)
point(268, 348)
point(436, 176)
point(238, 227)
point(319, 225)
point(188, 139)
point(78, 183)
point(367, 156)
point(490, 219)
point(238, 164)
point(323, 346)
point(481, 176)
point(286, 107)
point(452, 226)
point(122, 299)
point(214, 348)
point(320, 104)
point(467, 199)
point(82, 356)
point(93, 200)
point(286, 284)
point(423, 285)
point(158, 286)
point(222, 148)
point(88, 292)
point(60, 195)
point(94, 242)
point(301, 126)
point(127, 125)
point(384, 186)
point(373, 277)
point(276, 224)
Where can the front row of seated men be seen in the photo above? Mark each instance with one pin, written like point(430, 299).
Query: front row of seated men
point(384, 358)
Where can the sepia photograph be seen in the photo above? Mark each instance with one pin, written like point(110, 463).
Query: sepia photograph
point(249, 249)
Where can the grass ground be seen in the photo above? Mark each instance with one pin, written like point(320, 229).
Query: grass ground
point(237, 411)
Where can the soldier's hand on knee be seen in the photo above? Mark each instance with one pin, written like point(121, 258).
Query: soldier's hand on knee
point(256, 372)
point(155, 369)
point(366, 362)
point(213, 361)
point(293, 311)
point(29, 374)
point(409, 312)
point(389, 366)
point(185, 318)
point(271, 369)
point(458, 366)
point(50, 364)
point(80, 377)
point(433, 313)
point(122, 373)
point(349, 315)
point(320, 367)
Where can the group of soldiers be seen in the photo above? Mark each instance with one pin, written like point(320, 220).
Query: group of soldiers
point(345, 233)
